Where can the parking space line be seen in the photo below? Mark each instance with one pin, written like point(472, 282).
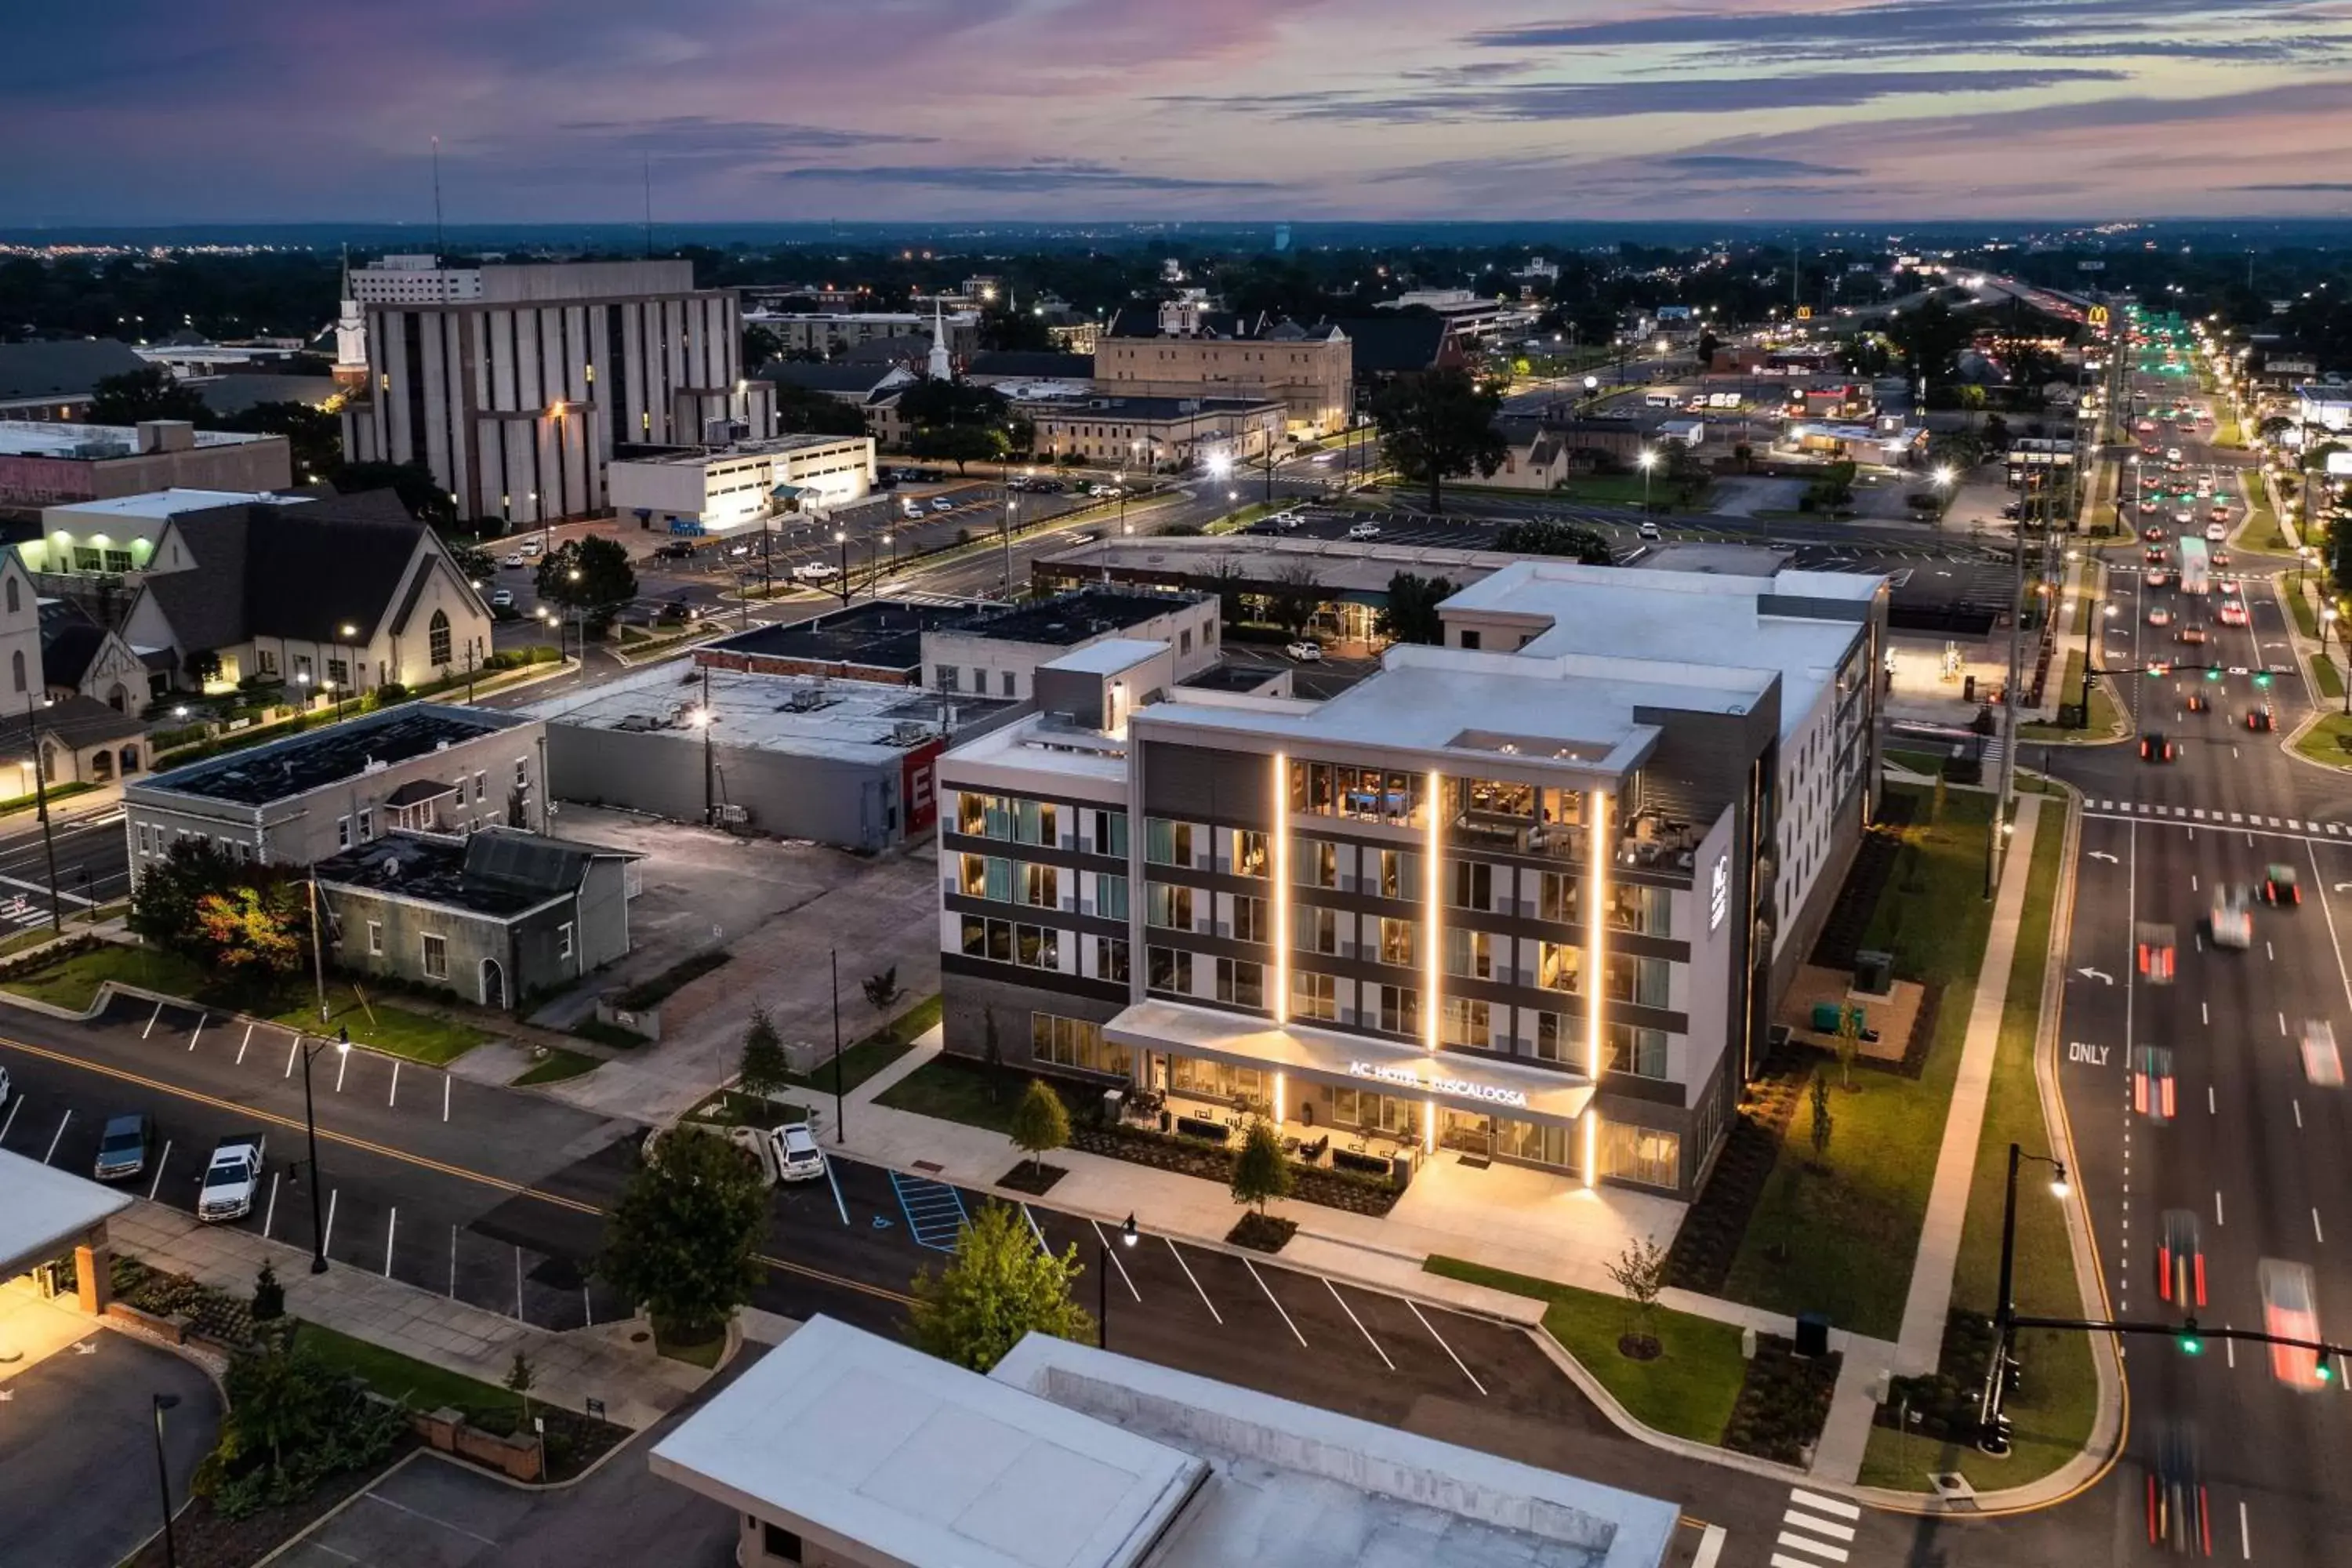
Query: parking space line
point(1277, 1305)
point(1035, 1232)
point(12, 1118)
point(393, 1097)
point(1443, 1346)
point(151, 1021)
point(1196, 1283)
point(519, 1317)
point(157, 1184)
point(269, 1215)
point(55, 1137)
point(413, 1513)
point(325, 1238)
point(243, 1044)
point(343, 1066)
point(446, 1079)
point(1112, 1253)
point(1360, 1324)
point(830, 1179)
point(292, 1046)
point(453, 1263)
point(197, 1033)
point(391, 1229)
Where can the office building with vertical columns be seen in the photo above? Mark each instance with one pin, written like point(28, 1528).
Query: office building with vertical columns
point(516, 384)
point(1529, 895)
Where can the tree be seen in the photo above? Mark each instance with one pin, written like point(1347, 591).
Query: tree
point(764, 1068)
point(519, 1380)
point(958, 421)
point(1971, 398)
point(1015, 330)
point(413, 483)
point(759, 346)
point(268, 1296)
point(1641, 1272)
point(680, 1239)
point(474, 563)
point(883, 991)
point(2273, 427)
point(1823, 1122)
point(314, 438)
point(802, 411)
point(254, 933)
point(1411, 613)
point(1930, 338)
point(164, 897)
point(592, 575)
point(1439, 426)
point(150, 391)
point(1000, 1286)
point(1849, 1035)
point(961, 443)
point(1041, 1123)
point(1544, 536)
point(1225, 578)
point(1298, 594)
point(1261, 1170)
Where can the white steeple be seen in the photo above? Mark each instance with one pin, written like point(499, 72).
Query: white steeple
point(940, 368)
point(350, 333)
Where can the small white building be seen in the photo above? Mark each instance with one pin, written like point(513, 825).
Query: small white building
point(117, 537)
point(716, 489)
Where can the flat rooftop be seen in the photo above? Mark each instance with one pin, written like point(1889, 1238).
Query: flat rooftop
point(31, 439)
point(878, 634)
point(300, 764)
point(1342, 566)
point(44, 1211)
point(156, 505)
point(848, 720)
point(1068, 619)
point(769, 446)
point(1094, 402)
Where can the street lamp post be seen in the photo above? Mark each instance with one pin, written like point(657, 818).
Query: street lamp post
point(841, 538)
point(1127, 1237)
point(160, 1403)
point(709, 772)
point(1647, 461)
point(1119, 481)
point(1007, 525)
point(41, 806)
point(310, 1133)
point(1993, 1438)
point(350, 661)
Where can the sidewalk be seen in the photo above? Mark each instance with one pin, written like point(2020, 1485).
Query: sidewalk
point(1847, 1432)
point(637, 1387)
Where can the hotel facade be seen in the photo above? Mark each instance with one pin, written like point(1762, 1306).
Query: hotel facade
point(1528, 896)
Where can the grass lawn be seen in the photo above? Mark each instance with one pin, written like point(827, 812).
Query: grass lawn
point(728, 1108)
point(2054, 1408)
point(1928, 763)
point(396, 1031)
point(420, 1384)
point(2307, 617)
point(2325, 676)
point(72, 981)
point(1626, 489)
point(877, 1050)
point(2329, 740)
point(1848, 1235)
point(558, 1064)
point(1688, 1390)
point(953, 1093)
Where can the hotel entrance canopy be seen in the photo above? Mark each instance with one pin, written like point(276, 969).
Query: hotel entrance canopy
point(1453, 1079)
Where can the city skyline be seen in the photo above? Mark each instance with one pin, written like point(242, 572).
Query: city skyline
point(963, 109)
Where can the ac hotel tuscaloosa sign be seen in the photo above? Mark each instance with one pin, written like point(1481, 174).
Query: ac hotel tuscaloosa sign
point(1404, 1076)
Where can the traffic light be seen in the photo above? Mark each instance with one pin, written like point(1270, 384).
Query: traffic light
point(2212, 675)
point(2324, 1370)
point(2191, 1343)
point(2263, 678)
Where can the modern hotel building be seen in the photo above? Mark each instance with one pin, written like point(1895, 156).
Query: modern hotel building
point(1528, 896)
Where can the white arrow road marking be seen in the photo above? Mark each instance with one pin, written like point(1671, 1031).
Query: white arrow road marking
point(2101, 975)
point(2113, 860)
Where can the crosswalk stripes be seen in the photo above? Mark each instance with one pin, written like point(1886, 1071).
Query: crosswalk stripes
point(2214, 816)
point(1816, 1525)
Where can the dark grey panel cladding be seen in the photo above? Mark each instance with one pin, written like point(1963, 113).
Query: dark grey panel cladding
point(1701, 763)
point(1192, 784)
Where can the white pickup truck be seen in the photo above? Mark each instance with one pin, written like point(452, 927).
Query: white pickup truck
point(232, 1177)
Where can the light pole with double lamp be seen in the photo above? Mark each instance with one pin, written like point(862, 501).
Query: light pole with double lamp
point(1992, 1425)
point(841, 538)
point(310, 1131)
point(1127, 1237)
point(160, 1403)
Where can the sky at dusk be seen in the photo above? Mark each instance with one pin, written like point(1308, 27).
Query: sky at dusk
point(259, 111)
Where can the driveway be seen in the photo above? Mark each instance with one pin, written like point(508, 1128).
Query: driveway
point(77, 1444)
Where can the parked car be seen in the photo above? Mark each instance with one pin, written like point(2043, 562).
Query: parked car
point(941, 503)
point(1305, 651)
point(502, 599)
point(1650, 530)
point(124, 1147)
point(1365, 531)
point(815, 572)
point(512, 560)
point(232, 1176)
point(797, 1156)
point(675, 550)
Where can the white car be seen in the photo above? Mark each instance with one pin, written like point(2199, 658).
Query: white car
point(1365, 531)
point(7, 1090)
point(815, 571)
point(512, 560)
point(1305, 651)
point(503, 599)
point(2215, 533)
point(909, 507)
point(2321, 1063)
point(2172, 454)
point(797, 1157)
point(1650, 530)
point(2232, 919)
point(535, 546)
point(941, 503)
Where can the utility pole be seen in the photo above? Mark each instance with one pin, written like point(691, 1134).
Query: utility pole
point(41, 809)
point(318, 951)
point(710, 798)
point(839, 1103)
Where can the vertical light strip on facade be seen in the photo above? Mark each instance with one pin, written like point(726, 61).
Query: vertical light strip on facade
point(1596, 927)
point(1433, 959)
point(1592, 1144)
point(1281, 1094)
point(1281, 889)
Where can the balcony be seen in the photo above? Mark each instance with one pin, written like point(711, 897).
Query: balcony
point(1650, 840)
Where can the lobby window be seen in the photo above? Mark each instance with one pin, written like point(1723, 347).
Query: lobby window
point(1253, 854)
point(1110, 832)
point(1110, 960)
point(1076, 1043)
point(1241, 982)
point(1399, 875)
point(1399, 942)
point(1461, 1021)
point(1637, 1051)
point(1167, 906)
point(1315, 930)
point(1560, 900)
point(1470, 953)
point(1167, 843)
point(1471, 884)
point(1642, 1154)
point(1314, 996)
point(435, 956)
point(1317, 864)
point(1111, 896)
point(1370, 1112)
point(1648, 911)
point(1400, 1010)
point(1560, 966)
point(1252, 919)
point(1169, 970)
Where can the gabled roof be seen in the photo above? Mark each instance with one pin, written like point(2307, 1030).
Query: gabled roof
point(887, 351)
point(857, 378)
point(67, 368)
point(1396, 342)
point(69, 648)
point(1143, 321)
point(302, 573)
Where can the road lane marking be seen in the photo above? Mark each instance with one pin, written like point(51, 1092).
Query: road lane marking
point(391, 1229)
point(1112, 1254)
point(2245, 1533)
point(55, 1137)
point(446, 1079)
point(393, 1097)
point(1711, 1538)
point(1277, 1305)
point(832, 1181)
point(1459, 1365)
point(2204, 1015)
point(2316, 1229)
point(343, 1066)
point(2325, 909)
point(1035, 1231)
point(2211, 1109)
point(1196, 1283)
point(160, 1161)
point(18, 1106)
point(2298, 1114)
point(243, 1044)
point(2216, 1205)
point(327, 1237)
point(1360, 1324)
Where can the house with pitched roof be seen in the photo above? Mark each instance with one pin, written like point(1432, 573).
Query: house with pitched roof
point(336, 594)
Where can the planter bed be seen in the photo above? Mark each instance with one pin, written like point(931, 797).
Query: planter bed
point(1034, 1177)
point(1261, 1232)
point(1783, 1403)
point(1163, 1152)
point(206, 1540)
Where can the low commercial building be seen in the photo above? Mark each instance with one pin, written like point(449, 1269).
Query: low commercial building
point(1156, 431)
point(117, 537)
point(829, 334)
point(69, 740)
point(718, 490)
point(845, 1448)
point(499, 917)
point(45, 462)
point(56, 382)
point(294, 802)
point(1183, 349)
point(1529, 895)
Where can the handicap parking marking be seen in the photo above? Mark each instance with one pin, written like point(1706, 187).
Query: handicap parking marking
point(934, 1211)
